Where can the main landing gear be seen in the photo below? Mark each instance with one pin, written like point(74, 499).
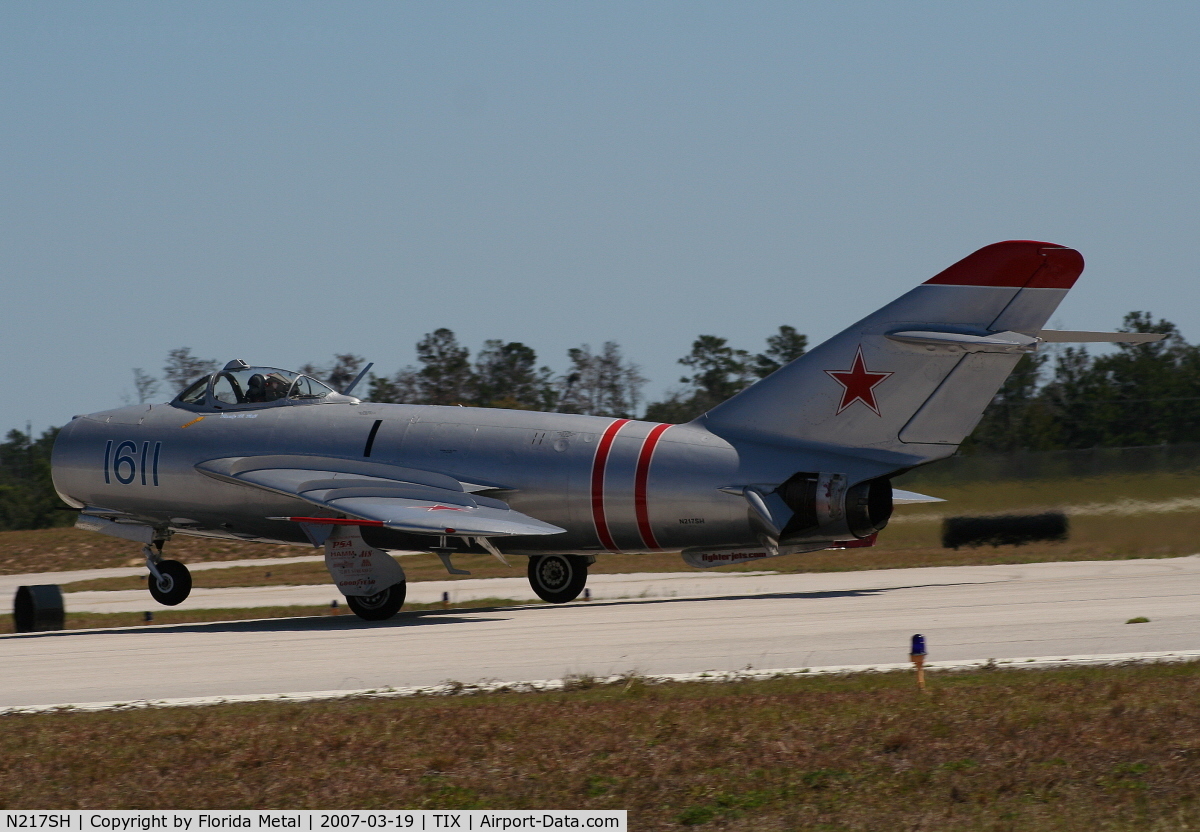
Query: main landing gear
point(558, 579)
point(378, 607)
point(170, 581)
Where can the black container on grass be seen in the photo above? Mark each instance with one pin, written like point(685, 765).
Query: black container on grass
point(1004, 529)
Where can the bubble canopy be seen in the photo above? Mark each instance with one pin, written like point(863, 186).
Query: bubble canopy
point(238, 386)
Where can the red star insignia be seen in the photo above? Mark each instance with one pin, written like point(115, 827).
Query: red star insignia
point(859, 384)
point(445, 508)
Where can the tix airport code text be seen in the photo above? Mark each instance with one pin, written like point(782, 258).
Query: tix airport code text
point(193, 820)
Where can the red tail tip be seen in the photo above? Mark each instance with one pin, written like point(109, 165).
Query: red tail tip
point(1016, 264)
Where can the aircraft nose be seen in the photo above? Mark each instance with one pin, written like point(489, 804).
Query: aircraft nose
point(64, 451)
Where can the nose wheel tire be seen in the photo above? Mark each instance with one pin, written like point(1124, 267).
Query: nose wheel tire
point(175, 584)
point(378, 607)
point(558, 579)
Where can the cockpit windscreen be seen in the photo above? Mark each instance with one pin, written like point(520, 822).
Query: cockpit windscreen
point(255, 386)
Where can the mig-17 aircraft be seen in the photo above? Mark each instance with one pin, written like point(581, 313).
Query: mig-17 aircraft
point(799, 461)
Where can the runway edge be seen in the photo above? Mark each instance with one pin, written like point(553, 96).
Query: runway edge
point(569, 682)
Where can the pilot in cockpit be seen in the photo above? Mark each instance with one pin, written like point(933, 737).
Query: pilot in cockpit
point(266, 388)
point(240, 384)
point(275, 386)
point(256, 388)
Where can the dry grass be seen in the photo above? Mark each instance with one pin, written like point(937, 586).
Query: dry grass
point(284, 574)
point(1006, 495)
point(55, 550)
point(1095, 749)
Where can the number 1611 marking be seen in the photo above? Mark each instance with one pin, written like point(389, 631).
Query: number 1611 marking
point(126, 462)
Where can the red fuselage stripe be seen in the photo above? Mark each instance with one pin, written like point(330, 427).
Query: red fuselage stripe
point(640, 482)
point(599, 463)
point(331, 521)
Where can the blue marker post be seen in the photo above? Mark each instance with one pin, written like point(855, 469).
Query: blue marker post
point(917, 657)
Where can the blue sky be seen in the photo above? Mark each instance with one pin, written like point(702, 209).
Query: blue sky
point(282, 181)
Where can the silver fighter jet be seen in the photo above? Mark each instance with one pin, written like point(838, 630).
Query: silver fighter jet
point(799, 461)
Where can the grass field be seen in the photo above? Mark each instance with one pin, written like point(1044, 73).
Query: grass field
point(1069, 749)
point(986, 496)
point(53, 550)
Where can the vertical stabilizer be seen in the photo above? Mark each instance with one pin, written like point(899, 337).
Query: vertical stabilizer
point(914, 377)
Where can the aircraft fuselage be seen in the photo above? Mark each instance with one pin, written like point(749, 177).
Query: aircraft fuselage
point(613, 484)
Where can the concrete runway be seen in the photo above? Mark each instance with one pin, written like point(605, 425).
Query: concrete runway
point(680, 623)
point(603, 587)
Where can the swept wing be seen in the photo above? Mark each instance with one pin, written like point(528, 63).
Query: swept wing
point(406, 499)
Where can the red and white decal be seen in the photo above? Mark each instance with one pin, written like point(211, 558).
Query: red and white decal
point(357, 568)
point(640, 482)
point(599, 463)
point(859, 384)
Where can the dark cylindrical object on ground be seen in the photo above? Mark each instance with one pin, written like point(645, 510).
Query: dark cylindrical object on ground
point(37, 608)
point(1004, 530)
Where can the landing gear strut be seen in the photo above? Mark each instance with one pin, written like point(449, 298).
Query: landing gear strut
point(558, 578)
point(170, 581)
point(380, 606)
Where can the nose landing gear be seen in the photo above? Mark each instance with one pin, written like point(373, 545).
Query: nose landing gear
point(170, 581)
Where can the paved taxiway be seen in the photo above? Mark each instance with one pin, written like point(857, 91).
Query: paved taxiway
point(669, 624)
point(603, 587)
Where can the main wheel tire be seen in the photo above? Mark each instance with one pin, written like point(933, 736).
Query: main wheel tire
point(175, 585)
point(558, 579)
point(378, 607)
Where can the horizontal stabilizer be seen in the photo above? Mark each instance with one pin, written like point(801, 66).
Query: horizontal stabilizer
point(421, 502)
point(983, 342)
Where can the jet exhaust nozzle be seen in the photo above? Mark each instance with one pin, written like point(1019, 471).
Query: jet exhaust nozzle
point(821, 506)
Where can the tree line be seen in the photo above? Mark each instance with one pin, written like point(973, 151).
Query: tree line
point(1134, 395)
point(1064, 398)
point(27, 497)
point(507, 375)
